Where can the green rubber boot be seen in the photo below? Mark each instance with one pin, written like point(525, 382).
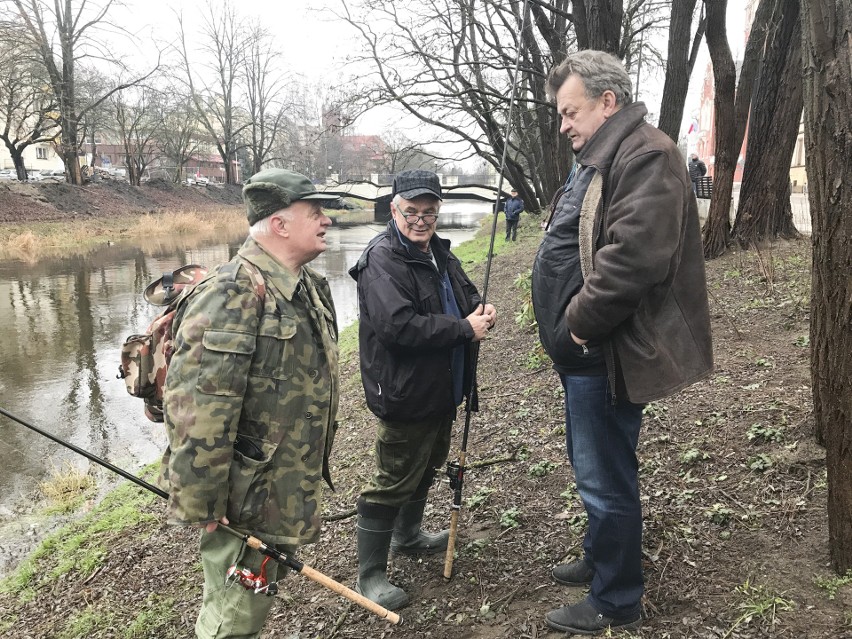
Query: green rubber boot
point(374, 537)
point(409, 539)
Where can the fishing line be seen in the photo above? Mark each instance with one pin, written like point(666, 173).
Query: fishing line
point(455, 470)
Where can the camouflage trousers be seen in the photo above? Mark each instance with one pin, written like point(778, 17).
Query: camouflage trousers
point(405, 451)
point(228, 610)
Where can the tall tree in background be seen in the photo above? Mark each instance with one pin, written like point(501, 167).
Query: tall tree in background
point(827, 64)
point(136, 121)
point(450, 64)
point(179, 131)
point(26, 104)
point(764, 208)
point(730, 104)
point(61, 32)
point(264, 96)
point(680, 63)
point(214, 83)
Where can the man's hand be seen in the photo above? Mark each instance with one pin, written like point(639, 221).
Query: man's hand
point(212, 525)
point(481, 320)
point(578, 341)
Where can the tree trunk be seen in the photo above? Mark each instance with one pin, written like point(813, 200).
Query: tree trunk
point(717, 230)
point(764, 208)
point(604, 24)
point(678, 68)
point(827, 62)
point(731, 105)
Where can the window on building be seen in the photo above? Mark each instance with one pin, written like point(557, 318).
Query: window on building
point(41, 152)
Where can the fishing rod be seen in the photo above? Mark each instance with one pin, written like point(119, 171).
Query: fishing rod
point(251, 541)
point(455, 470)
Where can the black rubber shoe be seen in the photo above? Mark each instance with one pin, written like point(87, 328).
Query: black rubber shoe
point(583, 619)
point(577, 573)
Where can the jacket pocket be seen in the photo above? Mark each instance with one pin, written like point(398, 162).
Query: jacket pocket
point(225, 361)
point(250, 481)
point(276, 354)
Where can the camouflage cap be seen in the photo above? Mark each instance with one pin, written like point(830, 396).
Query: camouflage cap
point(271, 190)
point(162, 291)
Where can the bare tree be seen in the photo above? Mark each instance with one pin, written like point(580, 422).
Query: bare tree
point(264, 89)
point(450, 63)
point(216, 98)
point(827, 65)
point(178, 132)
point(402, 153)
point(25, 105)
point(98, 120)
point(730, 104)
point(764, 208)
point(137, 126)
point(62, 32)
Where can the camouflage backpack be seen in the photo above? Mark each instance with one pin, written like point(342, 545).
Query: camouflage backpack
point(145, 356)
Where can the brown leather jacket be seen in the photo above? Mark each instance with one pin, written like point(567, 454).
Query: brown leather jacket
point(644, 293)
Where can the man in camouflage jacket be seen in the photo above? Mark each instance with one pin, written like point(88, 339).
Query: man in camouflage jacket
point(251, 398)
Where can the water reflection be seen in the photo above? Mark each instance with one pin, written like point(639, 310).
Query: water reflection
point(63, 321)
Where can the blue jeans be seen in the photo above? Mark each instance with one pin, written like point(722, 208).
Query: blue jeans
point(601, 439)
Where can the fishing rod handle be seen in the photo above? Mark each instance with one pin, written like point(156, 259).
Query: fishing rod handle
point(351, 595)
point(451, 544)
point(320, 578)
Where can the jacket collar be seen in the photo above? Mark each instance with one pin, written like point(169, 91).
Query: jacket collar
point(600, 150)
point(274, 272)
point(440, 247)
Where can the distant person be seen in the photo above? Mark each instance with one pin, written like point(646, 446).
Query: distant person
point(419, 317)
point(251, 398)
point(697, 170)
point(620, 298)
point(513, 208)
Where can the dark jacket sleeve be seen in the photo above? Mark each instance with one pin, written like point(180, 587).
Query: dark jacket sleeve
point(642, 235)
point(390, 301)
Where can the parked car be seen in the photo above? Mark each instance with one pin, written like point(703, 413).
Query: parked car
point(34, 176)
point(53, 175)
point(197, 180)
point(8, 174)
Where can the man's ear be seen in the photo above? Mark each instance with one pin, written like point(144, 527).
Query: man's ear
point(609, 102)
point(279, 225)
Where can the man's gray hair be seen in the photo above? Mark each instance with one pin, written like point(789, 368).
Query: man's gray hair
point(600, 71)
point(263, 226)
point(398, 198)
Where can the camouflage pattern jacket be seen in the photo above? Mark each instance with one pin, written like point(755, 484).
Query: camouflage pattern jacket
point(251, 399)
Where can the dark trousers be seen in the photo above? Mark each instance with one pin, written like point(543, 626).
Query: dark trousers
point(512, 229)
point(406, 453)
point(601, 439)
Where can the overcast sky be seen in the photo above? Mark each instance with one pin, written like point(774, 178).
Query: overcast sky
point(315, 46)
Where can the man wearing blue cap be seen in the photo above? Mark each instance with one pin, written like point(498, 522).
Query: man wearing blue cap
point(419, 316)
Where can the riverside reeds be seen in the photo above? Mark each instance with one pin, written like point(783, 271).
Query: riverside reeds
point(32, 242)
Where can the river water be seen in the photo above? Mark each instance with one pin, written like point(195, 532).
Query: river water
point(62, 322)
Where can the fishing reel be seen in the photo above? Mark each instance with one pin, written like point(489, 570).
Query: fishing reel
point(248, 580)
point(453, 472)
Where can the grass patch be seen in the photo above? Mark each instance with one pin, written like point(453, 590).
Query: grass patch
point(475, 250)
point(80, 546)
point(89, 623)
point(347, 341)
point(158, 619)
point(66, 489)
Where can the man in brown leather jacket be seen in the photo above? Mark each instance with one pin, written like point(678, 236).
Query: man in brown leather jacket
point(620, 298)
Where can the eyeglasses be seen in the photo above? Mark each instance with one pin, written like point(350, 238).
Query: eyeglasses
point(428, 219)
